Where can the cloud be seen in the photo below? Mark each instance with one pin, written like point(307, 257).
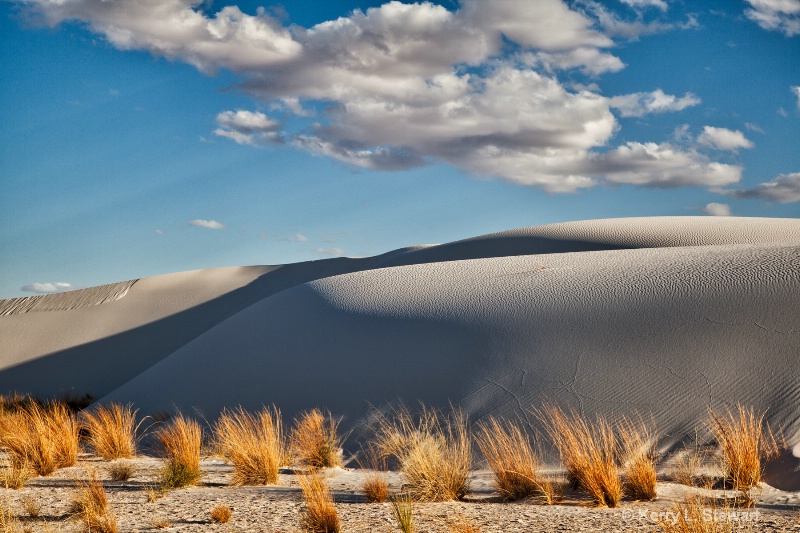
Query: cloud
point(159, 232)
point(248, 127)
point(796, 91)
point(776, 15)
point(299, 237)
point(48, 288)
point(784, 189)
point(333, 252)
point(406, 85)
point(718, 210)
point(615, 26)
point(640, 104)
point(642, 4)
point(210, 224)
point(753, 127)
point(723, 139)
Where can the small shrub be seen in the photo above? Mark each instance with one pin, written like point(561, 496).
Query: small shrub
point(403, 511)
point(160, 523)
point(315, 442)
point(9, 523)
point(154, 493)
point(745, 440)
point(91, 507)
point(589, 453)
point(693, 516)
point(639, 456)
point(319, 515)
point(31, 505)
point(462, 524)
point(434, 452)
point(121, 471)
point(512, 458)
point(253, 443)
point(112, 431)
point(179, 442)
point(221, 514)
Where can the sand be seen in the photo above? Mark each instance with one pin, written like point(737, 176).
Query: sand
point(665, 317)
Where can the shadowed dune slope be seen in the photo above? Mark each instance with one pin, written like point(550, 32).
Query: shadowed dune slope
point(665, 316)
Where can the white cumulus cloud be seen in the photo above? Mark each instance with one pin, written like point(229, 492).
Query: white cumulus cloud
point(405, 85)
point(640, 4)
point(718, 210)
point(784, 189)
point(776, 15)
point(723, 139)
point(641, 104)
point(247, 127)
point(49, 287)
point(210, 224)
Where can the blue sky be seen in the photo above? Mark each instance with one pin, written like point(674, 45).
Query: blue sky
point(145, 137)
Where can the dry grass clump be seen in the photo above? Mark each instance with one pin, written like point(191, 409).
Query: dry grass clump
point(693, 516)
point(9, 523)
point(461, 524)
point(434, 452)
point(91, 507)
point(589, 453)
point(221, 514)
point(179, 442)
point(512, 458)
point(319, 514)
point(315, 442)
point(376, 482)
point(112, 431)
point(31, 505)
point(121, 471)
point(253, 443)
point(43, 437)
point(16, 475)
point(639, 456)
point(403, 511)
point(160, 523)
point(744, 439)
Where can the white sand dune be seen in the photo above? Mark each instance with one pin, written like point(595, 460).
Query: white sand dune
point(661, 316)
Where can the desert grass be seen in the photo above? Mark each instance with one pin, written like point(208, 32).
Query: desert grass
point(403, 512)
point(31, 505)
point(221, 514)
point(512, 458)
point(687, 466)
point(111, 431)
point(698, 515)
point(43, 437)
point(9, 523)
point(319, 513)
point(121, 471)
point(315, 441)
point(639, 456)
point(434, 451)
point(376, 481)
point(589, 453)
point(179, 444)
point(91, 507)
point(461, 524)
point(160, 523)
point(16, 475)
point(253, 443)
point(744, 440)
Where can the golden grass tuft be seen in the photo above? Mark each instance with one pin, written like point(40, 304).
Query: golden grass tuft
point(31, 505)
point(160, 523)
point(403, 511)
point(589, 453)
point(434, 452)
point(744, 440)
point(694, 516)
point(461, 524)
point(512, 458)
point(16, 475)
point(319, 514)
point(315, 442)
point(221, 514)
point(91, 507)
point(121, 471)
point(43, 437)
point(9, 523)
point(112, 431)
point(253, 443)
point(179, 441)
point(639, 457)
point(376, 482)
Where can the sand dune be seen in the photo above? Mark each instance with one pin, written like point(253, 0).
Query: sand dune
point(663, 316)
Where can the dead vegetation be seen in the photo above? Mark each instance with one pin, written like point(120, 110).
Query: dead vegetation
point(253, 443)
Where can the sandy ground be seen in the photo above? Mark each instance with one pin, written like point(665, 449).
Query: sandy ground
point(278, 508)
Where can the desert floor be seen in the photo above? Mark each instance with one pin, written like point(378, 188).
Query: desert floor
point(278, 508)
